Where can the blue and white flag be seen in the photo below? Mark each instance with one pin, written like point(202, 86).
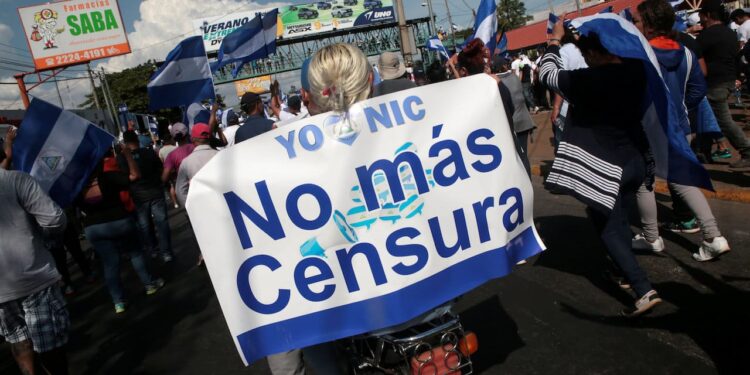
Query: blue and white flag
point(485, 26)
point(254, 40)
point(502, 44)
point(59, 149)
point(184, 78)
point(194, 114)
point(675, 161)
point(551, 21)
point(434, 44)
point(626, 14)
point(608, 9)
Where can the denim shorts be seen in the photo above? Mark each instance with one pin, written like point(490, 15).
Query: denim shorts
point(40, 317)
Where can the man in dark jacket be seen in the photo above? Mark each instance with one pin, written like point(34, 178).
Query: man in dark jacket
point(393, 72)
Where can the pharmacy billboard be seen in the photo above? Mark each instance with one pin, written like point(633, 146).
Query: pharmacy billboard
point(73, 32)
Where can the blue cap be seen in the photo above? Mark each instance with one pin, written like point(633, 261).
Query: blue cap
point(303, 74)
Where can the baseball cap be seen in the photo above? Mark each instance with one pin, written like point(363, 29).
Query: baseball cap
point(248, 99)
point(178, 128)
point(712, 6)
point(200, 131)
point(390, 66)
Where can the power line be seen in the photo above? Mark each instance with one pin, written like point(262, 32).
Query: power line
point(20, 49)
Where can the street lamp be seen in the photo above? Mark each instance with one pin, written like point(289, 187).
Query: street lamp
point(428, 4)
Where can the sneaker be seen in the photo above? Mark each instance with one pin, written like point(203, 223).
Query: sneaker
point(690, 226)
point(722, 154)
point(643, 304)
point(156, 285)
point(640, 242)
point(120, 307)
point(742, 165)
point(712, 250)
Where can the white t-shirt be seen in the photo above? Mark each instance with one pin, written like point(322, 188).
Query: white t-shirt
point(516, 67)
point(229, 133)
point(743, 32)
point(572, 59)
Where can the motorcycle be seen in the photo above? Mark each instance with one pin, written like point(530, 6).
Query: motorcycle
point(433, 344)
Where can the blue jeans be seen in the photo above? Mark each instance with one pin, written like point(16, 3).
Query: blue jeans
point(107, 239)
point(614, 229)
point(158, 208)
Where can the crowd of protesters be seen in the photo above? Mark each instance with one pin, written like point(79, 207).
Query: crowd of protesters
point(123, 208)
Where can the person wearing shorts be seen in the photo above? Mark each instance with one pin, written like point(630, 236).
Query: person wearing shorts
point(33, 316)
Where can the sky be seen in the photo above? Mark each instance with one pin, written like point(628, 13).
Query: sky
point(154, 27)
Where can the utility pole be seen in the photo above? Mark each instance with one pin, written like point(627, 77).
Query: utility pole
point(450, 20)
point(407, 49)
point(433, 30)
point(93, 87)
point(108, 98)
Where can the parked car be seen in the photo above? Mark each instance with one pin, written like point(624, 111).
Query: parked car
point(323, 5)
point(372, 4)
point(305, 13)
point(350, 2)
point(340, 11)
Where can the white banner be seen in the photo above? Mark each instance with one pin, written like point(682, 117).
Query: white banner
point(328, 227)
point(73, 32)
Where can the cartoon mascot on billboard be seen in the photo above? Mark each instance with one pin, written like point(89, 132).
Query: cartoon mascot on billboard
point(44, 28)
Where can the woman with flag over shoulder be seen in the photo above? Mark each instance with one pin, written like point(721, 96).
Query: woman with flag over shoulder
point(604, 155)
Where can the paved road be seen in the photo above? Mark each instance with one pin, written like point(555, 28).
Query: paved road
point(557, 314)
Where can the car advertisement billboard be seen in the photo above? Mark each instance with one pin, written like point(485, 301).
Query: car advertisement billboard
point(321, 16)
point(73, 32)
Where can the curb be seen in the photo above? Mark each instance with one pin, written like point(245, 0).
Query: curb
point(735, 195)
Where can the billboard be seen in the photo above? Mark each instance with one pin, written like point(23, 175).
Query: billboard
point(256, 85)
point(73, 32)
point(301, 19)
point(321, 16)
point(213, 29)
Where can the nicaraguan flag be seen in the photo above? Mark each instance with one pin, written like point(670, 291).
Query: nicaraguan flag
point(675, 161)
point(434, 44)
point(485, 26)
point(184, 78)
point(59, 149)
point(502, 44)
point(254, 40)
point(551, 21)
point(194, 114)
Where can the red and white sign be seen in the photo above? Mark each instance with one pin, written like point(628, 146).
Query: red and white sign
point(73, 32)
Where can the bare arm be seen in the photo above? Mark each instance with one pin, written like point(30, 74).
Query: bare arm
point(8, 148)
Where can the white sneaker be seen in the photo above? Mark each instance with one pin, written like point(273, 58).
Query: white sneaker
point(712, 250)
point(521, 262)
point(643, 304)
point(640, 242)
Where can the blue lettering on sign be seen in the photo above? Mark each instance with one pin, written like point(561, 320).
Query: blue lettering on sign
point(315, 280)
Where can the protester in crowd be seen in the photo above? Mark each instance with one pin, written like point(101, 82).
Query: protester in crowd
point(6, 151)
point(515, 66)
point(33, 316)
point(572, 59)
point(393, 74)
point(176, 156)
point(292, 112)
point(719, 45)
point(602, 137)
point(200, 135)
point(740, 17)
point(110, 226)
point(166, 148)
point(436, 72)
point(527, 80)
point(148, 194)
point(256, 122)
point(232, 125)
point(523, 124)
point(68, 242)
point(681, 72)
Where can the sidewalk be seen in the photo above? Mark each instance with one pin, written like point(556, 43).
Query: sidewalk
point(729, 185)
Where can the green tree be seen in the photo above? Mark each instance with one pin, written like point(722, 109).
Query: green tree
point(511, 14)
point(129, 87)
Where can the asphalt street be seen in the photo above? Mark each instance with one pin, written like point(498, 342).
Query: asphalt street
point(556, 314)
